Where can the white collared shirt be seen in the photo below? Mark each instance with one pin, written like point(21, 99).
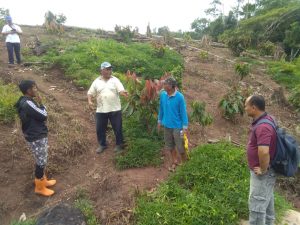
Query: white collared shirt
point(107, 94)
point(12, 38)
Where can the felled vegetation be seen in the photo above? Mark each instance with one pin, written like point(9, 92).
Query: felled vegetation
point(69, 136)
point(202, 191)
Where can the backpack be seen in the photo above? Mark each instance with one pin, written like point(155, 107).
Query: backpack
point(287, 154)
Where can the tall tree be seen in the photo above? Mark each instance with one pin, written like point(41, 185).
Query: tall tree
point(292, 40)
point(199, 25)
point(148, 32)
point(248, 10)
point(215, 9)
point(266, 5)
point(3, 13)
point(163, 31)
point(238, 8)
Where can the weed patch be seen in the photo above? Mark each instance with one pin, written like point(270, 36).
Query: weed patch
point(211, 188)
point(140, 152)
point(9, 96)
point(143, 149)
point(83, 203)
point(27, 222)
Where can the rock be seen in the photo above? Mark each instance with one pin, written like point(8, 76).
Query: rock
point(291, 217)
point(213, 141)
point(62, 214)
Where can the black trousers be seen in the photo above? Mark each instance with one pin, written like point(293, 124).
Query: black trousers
point(11, 48)
point(115, 119)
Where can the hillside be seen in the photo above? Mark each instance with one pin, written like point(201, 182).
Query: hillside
point(72, 138)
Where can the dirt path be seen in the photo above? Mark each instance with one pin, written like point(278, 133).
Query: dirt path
point(111, 191)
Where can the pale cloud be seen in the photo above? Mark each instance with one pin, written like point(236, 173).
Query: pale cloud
point(176, 14)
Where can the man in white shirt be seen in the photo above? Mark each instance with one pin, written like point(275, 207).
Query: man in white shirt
point(107, 90)
point(12, 32)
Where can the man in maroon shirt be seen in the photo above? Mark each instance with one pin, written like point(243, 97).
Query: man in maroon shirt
point(260, 152)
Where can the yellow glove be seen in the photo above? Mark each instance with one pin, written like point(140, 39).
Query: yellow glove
point(186, 145)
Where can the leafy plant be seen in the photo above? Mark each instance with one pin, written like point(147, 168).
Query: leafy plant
point(203, 56)
point(176, 72)
point(232, 103)
point(198, 191)
point(9, 95)
point(242, 69)
point(199, 115)
point(143, 99)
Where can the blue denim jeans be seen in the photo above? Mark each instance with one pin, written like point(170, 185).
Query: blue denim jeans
point(11, 48)
point(261, 198)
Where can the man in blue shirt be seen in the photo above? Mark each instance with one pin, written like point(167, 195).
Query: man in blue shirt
point(173, 117)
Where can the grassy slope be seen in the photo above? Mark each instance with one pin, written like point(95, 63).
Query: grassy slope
point(211, 188)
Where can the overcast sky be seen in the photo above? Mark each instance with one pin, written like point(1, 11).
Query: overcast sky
point(176, 14)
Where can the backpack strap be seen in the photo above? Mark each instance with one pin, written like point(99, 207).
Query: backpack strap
point(268, 122)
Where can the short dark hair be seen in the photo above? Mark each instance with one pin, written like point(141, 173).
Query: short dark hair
point(25, 85)
point(258, 101)
point(171, 81)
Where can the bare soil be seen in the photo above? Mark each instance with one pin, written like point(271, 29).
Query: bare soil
point(72, 139)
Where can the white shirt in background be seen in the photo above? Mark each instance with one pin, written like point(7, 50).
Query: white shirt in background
point(12, 38)
point(107, 94)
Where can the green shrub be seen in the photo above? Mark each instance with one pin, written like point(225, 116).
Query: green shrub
point(232, 103)
point(9, 96)
point(242, 69)
point(124, 33)
point(199, 115)
point(211, 188)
